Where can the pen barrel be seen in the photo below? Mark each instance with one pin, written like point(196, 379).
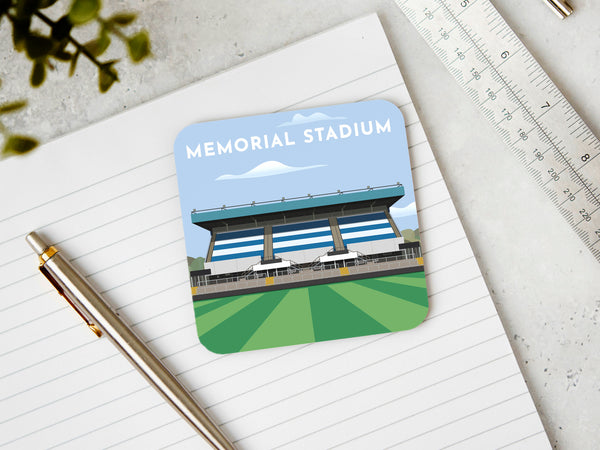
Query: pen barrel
point(90, 303)
point(560, 7)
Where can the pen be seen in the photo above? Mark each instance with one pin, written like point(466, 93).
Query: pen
point(560, 7)
point(102, 320)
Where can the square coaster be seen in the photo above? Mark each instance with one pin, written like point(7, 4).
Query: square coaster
point(301, 226)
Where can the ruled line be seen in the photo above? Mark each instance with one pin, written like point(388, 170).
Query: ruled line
point(312, 97)
point(154, 428)
point(96, 183)
point(372, 386)
point(445, 200)
point(102, 292)
point(454, 219)
point(376, 94)
point(262, 363)
point(113, 423)
point(83, 233)
point(348, 373)
point(76, 415)
point(472, 414)
point(488, 430)
point(139, 255)
point(413, 168)
point(37, 408)
point(439, 247)
point(450, 265)
point(104, 202)
point(34, 273)
point(521, 440)
point(398, 420)
point(138, 233)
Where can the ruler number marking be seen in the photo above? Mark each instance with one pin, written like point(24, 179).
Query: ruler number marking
point(429, 15)
point(571, 196)
point(465, 4)
point(520, 101)
point(586, 216)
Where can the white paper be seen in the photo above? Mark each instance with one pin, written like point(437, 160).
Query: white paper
point(107, 196)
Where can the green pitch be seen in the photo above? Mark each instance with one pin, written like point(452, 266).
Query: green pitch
point(312, 314)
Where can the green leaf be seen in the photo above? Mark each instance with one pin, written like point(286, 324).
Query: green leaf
point(4, 5)
point(122, 19)
point(38, 46)
point(12, 107)
point(62, 55)
point(38, 74)
point(107, 76)
point(46, 3)
point(26, 8)
point(73, 64)
point(139, 46)
point(20, 32)
point(62, 28)
point(98, 46)
point(83, 11)
point(18, 145)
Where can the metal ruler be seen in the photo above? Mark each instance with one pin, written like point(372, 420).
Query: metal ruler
point(515, 94)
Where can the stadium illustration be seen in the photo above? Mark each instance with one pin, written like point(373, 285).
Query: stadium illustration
point(303, 241)
point(270, 264)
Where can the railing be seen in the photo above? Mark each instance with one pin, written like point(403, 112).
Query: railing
point(284, 199)
point(298, 273)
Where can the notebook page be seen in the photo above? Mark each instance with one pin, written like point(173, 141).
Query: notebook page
point(112, 207)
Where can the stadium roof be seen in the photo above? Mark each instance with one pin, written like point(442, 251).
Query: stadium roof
point(385, 195)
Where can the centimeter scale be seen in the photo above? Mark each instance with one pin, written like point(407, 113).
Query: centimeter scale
point(515, 94)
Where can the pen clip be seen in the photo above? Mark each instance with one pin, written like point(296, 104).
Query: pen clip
point(45, 256)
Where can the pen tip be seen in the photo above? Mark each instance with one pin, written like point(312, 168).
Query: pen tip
point(36, 242)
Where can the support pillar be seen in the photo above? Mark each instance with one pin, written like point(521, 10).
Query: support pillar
point(211, 247)
point(268, 243)
point(392, 223)
point(338, 242)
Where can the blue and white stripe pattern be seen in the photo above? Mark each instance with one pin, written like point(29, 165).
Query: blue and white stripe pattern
point(302, 236)
point(239, 244)
point(364, 228)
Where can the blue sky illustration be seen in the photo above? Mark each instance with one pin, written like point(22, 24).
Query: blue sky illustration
point(240, 177)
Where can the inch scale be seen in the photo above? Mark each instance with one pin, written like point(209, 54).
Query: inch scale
point(526, 109)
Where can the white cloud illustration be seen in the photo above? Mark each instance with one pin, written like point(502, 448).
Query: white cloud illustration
point(299, 119)
point(266, 169)
point(408, 210)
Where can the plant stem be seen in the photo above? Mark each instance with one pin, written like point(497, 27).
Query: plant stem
point(114, 30)
point(80, 47)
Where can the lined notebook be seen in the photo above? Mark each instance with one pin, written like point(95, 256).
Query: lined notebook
point(107, 196)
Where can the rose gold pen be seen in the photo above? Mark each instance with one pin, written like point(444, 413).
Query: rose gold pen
point(102, 320)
